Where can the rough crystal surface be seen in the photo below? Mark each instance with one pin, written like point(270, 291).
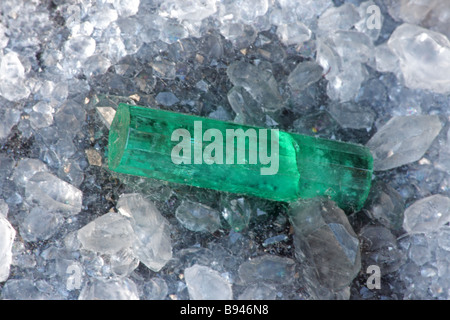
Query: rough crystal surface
point(402, 140)
point(151, 234)
point(266, 268)
point(205, 283)
point(114, 289)
point(8, 119)
point(40, 224)
point(411, 43)
point(12, 76)
point(7, 235)
point(53, 194)
point(325, 239)
point(344, 69)
point(431, 14)
point(304, 74)
point(192, 10)
point(198, 217)
point(380, 248)
point(386, 205)
point(259, 291)
point(427, 215)
point(261, 85)
point(108, 234)
point(352, 115)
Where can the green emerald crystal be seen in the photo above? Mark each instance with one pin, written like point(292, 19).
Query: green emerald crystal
point(230, 157)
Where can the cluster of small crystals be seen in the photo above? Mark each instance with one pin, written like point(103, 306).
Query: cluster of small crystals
point(70, 229)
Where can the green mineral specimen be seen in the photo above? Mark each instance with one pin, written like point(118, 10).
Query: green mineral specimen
point(230, 157)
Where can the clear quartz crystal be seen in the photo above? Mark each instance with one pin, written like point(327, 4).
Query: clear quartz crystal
point(198, 217)
point(205, 283)
point(7, 235)
point(266, 268)
point(12, 76)
point(53, 193)
point(8, 119)
point(107, 234)
point(261, 86)
point(402, 140)
point(113, 289)
point(150, 236)
point(411, 44)
point(428, 214)
point(40, 224)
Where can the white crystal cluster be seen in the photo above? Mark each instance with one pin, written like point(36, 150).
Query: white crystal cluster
point(372, 72)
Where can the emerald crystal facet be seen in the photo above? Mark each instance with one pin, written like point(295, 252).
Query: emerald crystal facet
point(255, 161)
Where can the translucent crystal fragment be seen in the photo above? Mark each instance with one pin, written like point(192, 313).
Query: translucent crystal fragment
point(237, 212)
point(106, 115)
point(386, 60)
point(294, 33)
point(54, 194)
point(427, 215)
point(304, 74)
point(126, 8)
point(107, 234)
point(402, 140)
point(258, 291)
point(166, 99)
point(155, 289)
point(140, 143)
point(241, 35)
point(262, 86)
point(192, 10)
point(432, 14)
point(385, 205)
point(267, 268)
point(380, 248)
point(245, 106)
point(198, 217)
point(8, 118)
point(444, 154)
point(338, 18)
point(342, 55)
point(40, 224)
point(204, 283)
point(7, 235)
point(151, 234)
point(411, 44)
point(114, 289)
point(80, 47)
point(325, 240)
point(12, 77)
point(352, 115)
point(4, 209)
point(22, 289)
point(4, 39)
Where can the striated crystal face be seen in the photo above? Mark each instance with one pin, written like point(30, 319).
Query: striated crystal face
point(274, 165)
